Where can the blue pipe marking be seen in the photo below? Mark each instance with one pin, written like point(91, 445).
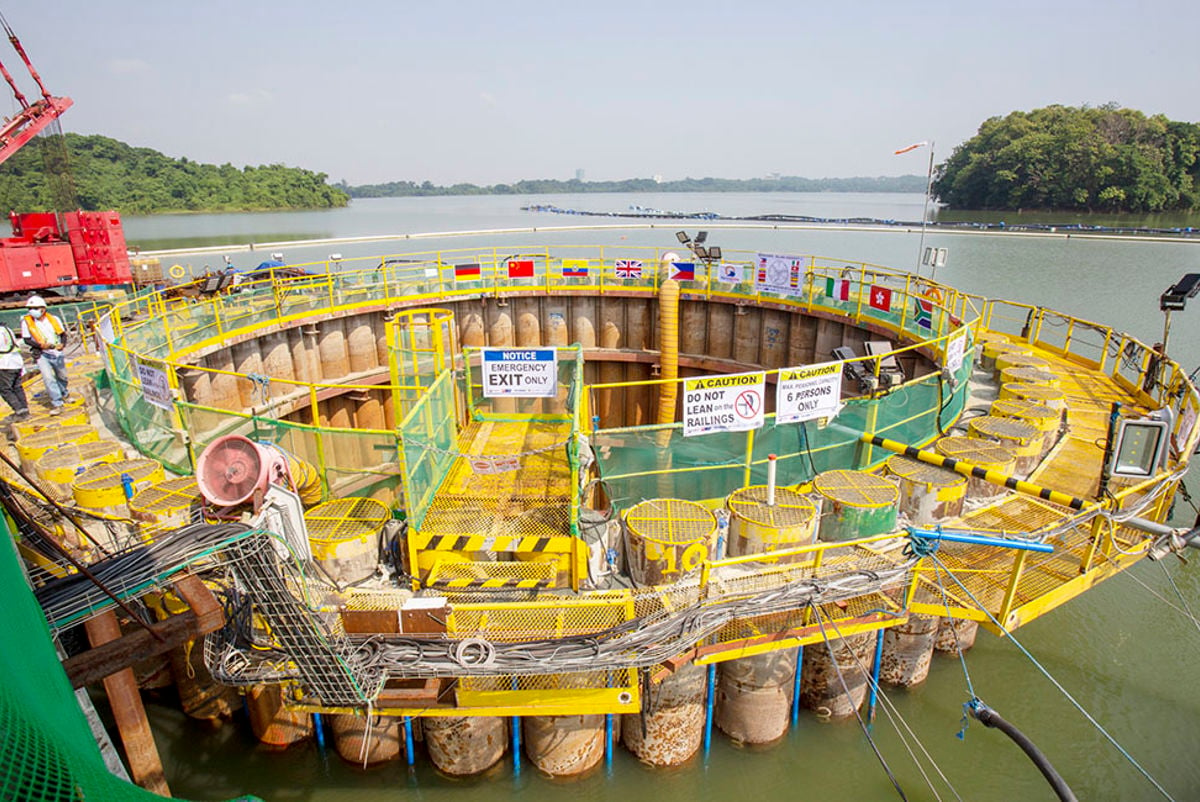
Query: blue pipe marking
point(796, 686)
point(708, 707)
point(516, 745)
point(939, 534)
point(408, 741)
point(608, 741)
point(875, 676)
point(320, 732)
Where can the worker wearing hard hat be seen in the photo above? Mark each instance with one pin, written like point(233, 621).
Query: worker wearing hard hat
point(46, 335)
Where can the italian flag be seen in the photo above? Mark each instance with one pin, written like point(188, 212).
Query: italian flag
point(838, 288)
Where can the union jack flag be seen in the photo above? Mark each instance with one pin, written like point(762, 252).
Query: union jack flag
point(627, 268)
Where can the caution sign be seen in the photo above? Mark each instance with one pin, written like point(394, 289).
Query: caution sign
point(956, 346)
point(527, 372)
point(732, 403)
point(808, 393)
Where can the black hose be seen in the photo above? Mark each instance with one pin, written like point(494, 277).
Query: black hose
point(990, 718)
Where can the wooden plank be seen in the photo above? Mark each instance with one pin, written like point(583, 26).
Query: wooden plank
point(116, 655)
point(144, 764)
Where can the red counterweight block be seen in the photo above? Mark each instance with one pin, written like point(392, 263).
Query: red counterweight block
point(98, 242)
point(35, 267)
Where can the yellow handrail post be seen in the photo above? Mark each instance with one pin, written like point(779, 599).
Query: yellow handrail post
point(749, 458)
point(1010, 593)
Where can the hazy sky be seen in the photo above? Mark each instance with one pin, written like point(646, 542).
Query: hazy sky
point(491, 92)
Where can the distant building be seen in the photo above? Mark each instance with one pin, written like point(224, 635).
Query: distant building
point(579, 174)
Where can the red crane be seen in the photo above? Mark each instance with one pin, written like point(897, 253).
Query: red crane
point(55, 249)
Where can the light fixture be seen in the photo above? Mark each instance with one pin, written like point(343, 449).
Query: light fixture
point(714, 252)
point(335, 257)
point(701, 236)
point(683, 238)
point(701, 252)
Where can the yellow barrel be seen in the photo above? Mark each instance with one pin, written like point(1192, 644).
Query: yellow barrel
point(167, 504)
point(993, 348)
point(344, 535)
point(1051, 397)
point(74, 414)
point(1042, 418)
point(983, 454)
point(35, 445)
point(1011, 359)
point(860, 504)
point(928, 494)
point(1023, 438)
point(1029, 376)
point(668, 539)
point(756, 527)
point(100, 486)
point(57, 468)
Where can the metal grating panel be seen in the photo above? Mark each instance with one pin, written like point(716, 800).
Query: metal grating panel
point(856, 488)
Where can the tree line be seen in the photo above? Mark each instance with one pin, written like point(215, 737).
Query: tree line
point(549, 186)
point(1075, 158)
point(109, 174)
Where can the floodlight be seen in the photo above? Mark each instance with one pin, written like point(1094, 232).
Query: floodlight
point(701, 236)
point(1176, 297)
point(683, 238)
point(714, 252)
point(1140, 447)
point(700, 251)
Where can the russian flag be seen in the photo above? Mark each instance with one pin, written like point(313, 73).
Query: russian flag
point(683, 271)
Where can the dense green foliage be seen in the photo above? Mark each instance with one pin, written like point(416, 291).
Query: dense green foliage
point(112, 175)
point(396, 189)
point(1061, 157)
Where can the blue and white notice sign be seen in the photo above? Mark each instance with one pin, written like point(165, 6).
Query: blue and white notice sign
point(527, 372)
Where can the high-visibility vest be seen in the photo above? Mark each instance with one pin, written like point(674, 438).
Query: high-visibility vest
point(35, 331)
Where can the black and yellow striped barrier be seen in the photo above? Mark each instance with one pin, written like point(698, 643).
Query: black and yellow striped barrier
point(559, 544)
point(967, 469)
point(492, 583)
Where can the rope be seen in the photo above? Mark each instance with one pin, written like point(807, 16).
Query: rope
point(1175, 587)
point(1058, 685)
point(846, 690)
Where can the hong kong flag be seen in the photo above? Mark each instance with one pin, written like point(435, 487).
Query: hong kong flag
point(881, 298)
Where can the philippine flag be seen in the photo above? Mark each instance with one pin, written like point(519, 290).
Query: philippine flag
point(683, 271)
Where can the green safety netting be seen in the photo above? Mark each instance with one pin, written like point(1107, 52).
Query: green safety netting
point(639, 463)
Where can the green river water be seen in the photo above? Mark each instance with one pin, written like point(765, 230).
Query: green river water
point(1124, 650)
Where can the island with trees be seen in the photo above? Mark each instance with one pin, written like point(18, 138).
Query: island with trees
point(109, 174)
point(1106, 159)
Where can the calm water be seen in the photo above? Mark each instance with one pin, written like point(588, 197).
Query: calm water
point(1121, 650)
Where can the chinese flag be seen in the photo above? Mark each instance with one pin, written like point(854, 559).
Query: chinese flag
point(522, 268)
point(881, 298)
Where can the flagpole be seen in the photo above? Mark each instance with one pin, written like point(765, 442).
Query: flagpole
point(925, 213)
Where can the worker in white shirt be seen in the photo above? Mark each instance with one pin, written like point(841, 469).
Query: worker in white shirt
point(12, 367)
point(46, 335)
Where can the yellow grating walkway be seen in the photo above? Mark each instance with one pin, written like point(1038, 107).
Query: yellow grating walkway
point(533, 501)
point(1043, 581)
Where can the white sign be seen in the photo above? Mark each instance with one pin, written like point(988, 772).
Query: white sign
point(156, 389)
point(494, 464)
point(956, 346)
point(730, 274)
point(528, 372)
point(732, 403)
point(808, 393)
point(782, 274)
